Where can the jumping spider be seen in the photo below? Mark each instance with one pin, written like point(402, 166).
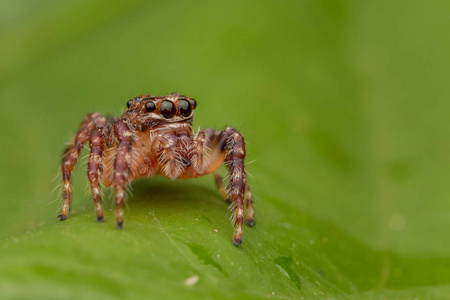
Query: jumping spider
point(154, 136)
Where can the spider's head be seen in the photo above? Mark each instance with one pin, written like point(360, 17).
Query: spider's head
point(172, 110)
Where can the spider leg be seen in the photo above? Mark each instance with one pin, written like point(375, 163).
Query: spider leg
point(121, 166)
point(71, 154)
point(233, 143)
point(227, 146)
point(219, 183)
point(249, 205)
point(248, 201)
point(95, 168)
point(207, 141)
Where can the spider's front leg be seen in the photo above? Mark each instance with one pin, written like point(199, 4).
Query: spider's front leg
point(70, 156)
point(121, 166)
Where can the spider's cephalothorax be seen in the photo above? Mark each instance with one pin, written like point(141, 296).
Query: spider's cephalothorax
point(154, 136)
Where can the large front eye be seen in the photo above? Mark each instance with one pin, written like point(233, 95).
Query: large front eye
point(167, 109)
point(150, 106)
point(129, 103)
point(185, 108)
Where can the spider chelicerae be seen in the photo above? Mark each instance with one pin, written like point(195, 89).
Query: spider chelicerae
point(154, 136)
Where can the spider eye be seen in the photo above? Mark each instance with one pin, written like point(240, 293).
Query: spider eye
point(129, 103)
point(193, 103)
point(167, 109)
point(150, 106)
point(185, 108)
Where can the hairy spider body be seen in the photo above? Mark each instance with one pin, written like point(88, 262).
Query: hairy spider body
point(154, 137)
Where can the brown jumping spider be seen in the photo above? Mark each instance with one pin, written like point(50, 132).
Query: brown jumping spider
point(154, 136)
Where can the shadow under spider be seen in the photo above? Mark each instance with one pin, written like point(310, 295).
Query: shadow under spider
point(154, 192)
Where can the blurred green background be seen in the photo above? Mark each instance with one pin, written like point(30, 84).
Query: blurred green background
point(344, 106)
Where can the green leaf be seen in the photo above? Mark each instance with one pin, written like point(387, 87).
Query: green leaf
point(344, 107)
